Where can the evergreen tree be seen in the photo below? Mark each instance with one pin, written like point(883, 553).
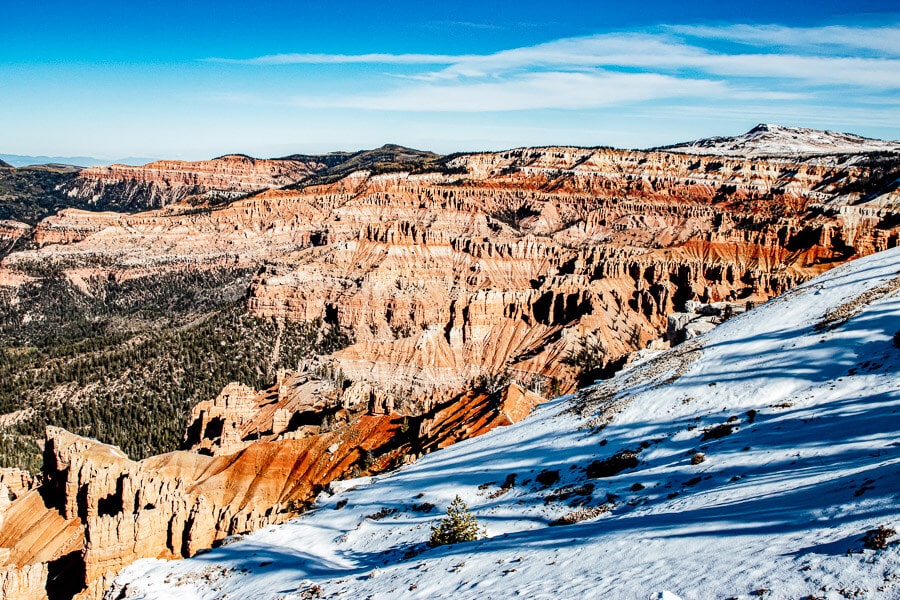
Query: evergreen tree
point(458, 526)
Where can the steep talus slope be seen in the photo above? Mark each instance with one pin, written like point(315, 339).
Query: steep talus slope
point(749, 462)
point(41, 543)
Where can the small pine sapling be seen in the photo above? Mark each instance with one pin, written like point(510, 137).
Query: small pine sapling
point(458, 526)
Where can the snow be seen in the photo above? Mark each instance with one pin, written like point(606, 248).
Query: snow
point(777, 509)
point(775, 140)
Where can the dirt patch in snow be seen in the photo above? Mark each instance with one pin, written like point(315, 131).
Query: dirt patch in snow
point(661, 370)
point(841, 314)
point(582, 514)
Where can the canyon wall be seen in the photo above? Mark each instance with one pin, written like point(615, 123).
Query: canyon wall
point(537, 253)
point(97, 511)
point(516, 262)
point(167, 181)
point(537, 268)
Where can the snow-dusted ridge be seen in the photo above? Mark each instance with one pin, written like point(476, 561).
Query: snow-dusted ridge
point(795, 407)
point(776, 140)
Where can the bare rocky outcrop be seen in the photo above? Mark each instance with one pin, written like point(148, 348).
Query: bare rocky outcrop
point(10, 232)
point(15, 482)
point(24, 583)
point(473, 413)
point(240, 415)
point(537, 249)
point(73, 225)
point(699, 318)
point(36, 541)
point(97, 511)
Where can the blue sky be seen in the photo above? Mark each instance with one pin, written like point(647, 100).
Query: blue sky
point(199, 79)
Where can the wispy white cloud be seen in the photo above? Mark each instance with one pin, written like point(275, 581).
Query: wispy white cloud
point(663, 53)
point(773, 63)
point(870, 73)
point(830, 40)
point(338, 59)
point(532, 91)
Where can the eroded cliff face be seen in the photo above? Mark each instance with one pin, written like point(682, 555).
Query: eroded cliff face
point(10, 233)
point(37, 543)
point(539, 253)
point(542, 267)
point(532, 257)
point(167, 181)
point(97, 511)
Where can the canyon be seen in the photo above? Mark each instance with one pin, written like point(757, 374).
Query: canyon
point(470, 287)
point(759, 460)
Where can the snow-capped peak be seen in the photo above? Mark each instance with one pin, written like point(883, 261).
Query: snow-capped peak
point(775, 140)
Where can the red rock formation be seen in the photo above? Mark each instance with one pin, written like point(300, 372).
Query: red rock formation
point(532, 254)
point(16, 482)
point(240, 415)
point(34, 541)
point(167, 181)
point(535, 265)
point(98, 511)
point(440, 288)
point(73, 225)
point(474, 413)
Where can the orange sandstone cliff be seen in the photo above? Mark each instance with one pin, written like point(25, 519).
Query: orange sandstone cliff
point(97, 511)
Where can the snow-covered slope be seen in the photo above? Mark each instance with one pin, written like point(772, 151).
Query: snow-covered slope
point(754, 459)
point(775, 140)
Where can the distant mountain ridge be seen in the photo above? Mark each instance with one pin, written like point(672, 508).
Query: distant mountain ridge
point(360, 159)
point(765, 139)
point(135, 184)
point(24, 160)
point(776, 140)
